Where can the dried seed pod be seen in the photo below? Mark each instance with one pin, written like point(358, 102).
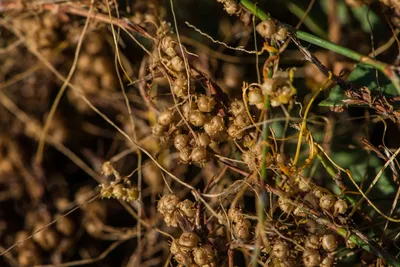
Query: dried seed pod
point(181, 141)
point(174, 248)
point(242, 120)
point(188, 208)
point(285, 205)
point(166, 117)
point(203, 255)
point(312, 200)
point(177, 64)
point(340, 207)
point(328, 261)
point(241, 229)
point(280, 250)
point(312, 241)
point(266, 28)
point(205, 103)
point(235, 214)
point(107, 168)
point(235, 131)
point(170, 219)
point(168, 46)
point(203, 140)
point(188, 108)
point(29, 257)
point(168, 203)
point(215, 125)
point(188, 240)
point(318, 192)
point(23, 240)
point(185, 155)
point(329, 242)
point(311, 258)
point(199, 154)
point(305, 185)
point(158, 129)
point(46, 238)
point(255, 96)
point(65, 225)
point(237, 107)
point(281, 34)
point(183, 258)
point(197, 118)
point(299, 211)
point(179, 86)
point(327, 201)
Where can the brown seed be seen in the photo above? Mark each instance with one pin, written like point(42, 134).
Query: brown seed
point(255, 96)
point(329, 242)
point(311, 258)
point(168, 203)
point(235, 131)
point(266, 28)
point(158, 129)
point(181, 141)
point(200, 256)
point(281, 34)
point(188, 208)
point(285, 205)
point(242, 120)
point(197, 118)
point(327, 201)
point(65, 225)
point(168, 46)
point(241, 229)
point(177, 64)
point(199, 155)
point(166, 117)
point(46, 238)
point(203, 140)
point(312, 241)
point(328, 261)
point(185, 155)
point(280, 250)
point(237, 107)
point(205, 103)
point(340, 206)
point(188, 240)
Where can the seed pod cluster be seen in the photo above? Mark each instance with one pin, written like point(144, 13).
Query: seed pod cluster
point(241, 225)
point(188, 250)
point(269, 29)
point(239, 120)
point(170, 206)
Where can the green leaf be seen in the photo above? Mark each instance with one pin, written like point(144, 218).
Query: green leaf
point(362, 75)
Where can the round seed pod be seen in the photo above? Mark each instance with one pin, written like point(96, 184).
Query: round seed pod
point(158, 129)
point(188, 208)
point(179, 86)
point(168, 46)
point(183, 258)
point(266, 28)
point(185, 154)
point(26, 243)
point(329, 242)
point(205, 103)
point(100, 65)
point(188, 240)
point(311, 258)
point(203, 140)
point(281, 34)
point(177, 64)
point(285, 205)
point(255, 96)
point(280, 250)
point(85, 62)
point(188, 108)
point(168, 203)
point(242, 120)
point(304, 185)
point(174, 248)
point(197, 118)
point(269, 85)
point(29, 257)
point(340, 206)
point(312, 200)
point(46, 238)
point(65, 225)
point(215, 125)
point(170, 219)
point(199, 154)
point(328, 261)
point(181, 141)
point(326, 202)
point(200, 256)
point(235, 131)
point(318, 192)
point(237, 107)
point(312, 242)
point(235, 214)
point(166, 117)
point(241, 229)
